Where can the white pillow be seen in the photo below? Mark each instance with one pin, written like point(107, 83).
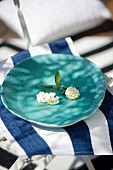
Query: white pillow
point(49, 20)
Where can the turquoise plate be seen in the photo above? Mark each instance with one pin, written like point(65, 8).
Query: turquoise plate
point(21, 85)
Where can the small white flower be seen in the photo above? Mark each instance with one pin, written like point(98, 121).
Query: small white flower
point(53, 100)
point(51, 94)
point(41, 97)
point(72, 93)
point(49, 98)
point(40, 94)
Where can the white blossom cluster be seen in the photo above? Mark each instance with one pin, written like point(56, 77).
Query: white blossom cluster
point(49, 98)
point(72, 93)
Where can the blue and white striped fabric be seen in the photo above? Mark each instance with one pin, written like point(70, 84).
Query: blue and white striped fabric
point(93, 136)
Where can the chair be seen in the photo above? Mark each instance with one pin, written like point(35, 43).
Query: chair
point(48, 158)
point(45, 159)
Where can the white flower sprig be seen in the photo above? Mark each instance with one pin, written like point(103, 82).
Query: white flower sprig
point(49, 98)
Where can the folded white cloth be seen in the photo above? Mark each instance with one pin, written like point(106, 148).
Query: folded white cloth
point(92, 136)
point(50, 20)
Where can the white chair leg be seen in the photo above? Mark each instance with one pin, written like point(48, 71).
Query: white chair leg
point(88, 162)
point(18, 165)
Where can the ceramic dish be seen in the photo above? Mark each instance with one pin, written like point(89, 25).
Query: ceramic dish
point(21, 85)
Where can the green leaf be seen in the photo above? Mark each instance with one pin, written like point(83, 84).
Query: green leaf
point(46, 86)
point(57, 77)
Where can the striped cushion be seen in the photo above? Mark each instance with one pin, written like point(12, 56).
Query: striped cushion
point(93, 136)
